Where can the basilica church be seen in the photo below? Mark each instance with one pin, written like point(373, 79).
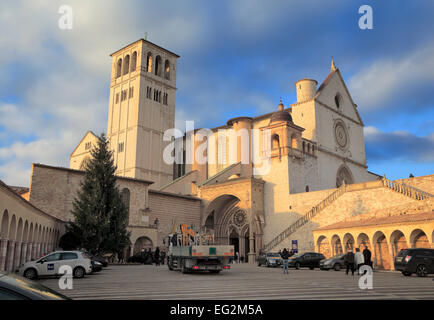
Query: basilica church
point(316, 193)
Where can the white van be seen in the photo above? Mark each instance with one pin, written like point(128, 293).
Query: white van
point(49, 265)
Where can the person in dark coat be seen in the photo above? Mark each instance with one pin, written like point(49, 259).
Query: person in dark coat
point(367, 255)
point(157, 256)
point(349, 261)
point(285, 257)
point(163, 257)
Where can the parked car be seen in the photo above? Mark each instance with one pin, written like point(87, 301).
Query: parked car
point(14, 287)
point(337, 263)
point(49, 265)
point(418, 260)
point(270, 259)
point(100, 259)
point(96, 266)
point(141, 257)
point(307, 259)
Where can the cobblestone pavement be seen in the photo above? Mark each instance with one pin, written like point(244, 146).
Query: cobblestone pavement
point(243, 281)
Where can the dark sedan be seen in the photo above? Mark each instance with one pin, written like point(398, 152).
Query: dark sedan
point(337, 263)
point(100, 259)
point(145, 258)
point(307, 259)
point(14, 287)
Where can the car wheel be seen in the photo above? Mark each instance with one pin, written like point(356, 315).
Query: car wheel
point(30, 274)
point(421, 271)
point(79, 272)
point(337, 267)
point(169, 264)
point(183, 268)
point(297, 265)
point(259, 264)
point(406, 273)
point(267, 264)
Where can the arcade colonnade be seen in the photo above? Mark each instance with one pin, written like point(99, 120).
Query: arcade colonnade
point(384, 241)
point(26, 232)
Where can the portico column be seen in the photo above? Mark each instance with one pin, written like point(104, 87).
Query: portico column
point(10, 255)
point(24, 252)
point(241, 241)
point(252, 255)
point(17, 259)
point(38, 250)
point(35, 250)
point(3, 251)
point(29, 251)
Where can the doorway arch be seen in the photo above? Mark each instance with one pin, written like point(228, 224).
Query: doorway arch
point(142, 243)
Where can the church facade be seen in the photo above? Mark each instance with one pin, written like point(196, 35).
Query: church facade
point(294, 177)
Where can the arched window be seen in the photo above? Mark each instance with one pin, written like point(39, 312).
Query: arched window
point(275, 142)
point(149, 62)
point(119, 68)
point(338, 100)
point(126, 198)
point(134, 61)
point(167, 70)
point(344, 174)
point(158, 66)
point(126, 64)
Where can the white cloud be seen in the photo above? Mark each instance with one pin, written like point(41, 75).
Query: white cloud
point(387, 80)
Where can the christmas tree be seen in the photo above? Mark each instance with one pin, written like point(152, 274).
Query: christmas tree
point(101, 218)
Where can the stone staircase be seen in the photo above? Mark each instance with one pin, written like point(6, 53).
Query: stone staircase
point(306, 218)
point(406, 190)
point(402, 188)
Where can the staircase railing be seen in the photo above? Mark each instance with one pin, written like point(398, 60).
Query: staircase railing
point(304, 219)
point(406, 190)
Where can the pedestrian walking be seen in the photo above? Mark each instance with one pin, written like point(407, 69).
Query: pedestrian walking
point(237, 257)
point(157, 256)
point(285, 256)
point(367, 256)
point(359, 260)
point(349, 261)
point(163, 257)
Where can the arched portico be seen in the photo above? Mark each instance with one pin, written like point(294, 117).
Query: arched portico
point(142, 243)
point(234, 214)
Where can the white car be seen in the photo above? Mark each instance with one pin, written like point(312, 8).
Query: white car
point(49, 265)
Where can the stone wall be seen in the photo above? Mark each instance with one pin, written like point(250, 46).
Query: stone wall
point(171, 209)
point(356, 204)
point(53, 189)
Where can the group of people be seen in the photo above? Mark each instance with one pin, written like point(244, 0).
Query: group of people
point(353, 261)
point(238, 258)
point(158, 257)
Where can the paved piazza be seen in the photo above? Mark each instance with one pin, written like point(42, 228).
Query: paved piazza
point(243, 281)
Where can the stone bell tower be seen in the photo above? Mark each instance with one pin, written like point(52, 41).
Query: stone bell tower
point(141, 109)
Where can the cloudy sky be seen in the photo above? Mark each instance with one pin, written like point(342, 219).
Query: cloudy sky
point(238, 57)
